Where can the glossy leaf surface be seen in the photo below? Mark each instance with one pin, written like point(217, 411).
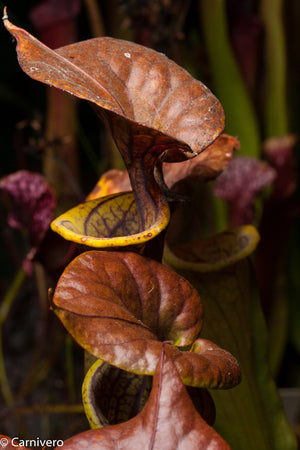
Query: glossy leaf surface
point(132, 81)
point(154, 108)
point(168, 420)
point(129, 305)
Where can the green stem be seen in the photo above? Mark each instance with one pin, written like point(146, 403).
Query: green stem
point(276, 116)
point(220, 211)
point(11, 294)
point(70, 368)
point(40, 368)
point(5, 388)
point(241, 119)
point(4, 310)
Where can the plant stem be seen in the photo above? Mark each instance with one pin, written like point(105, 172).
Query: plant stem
point(220, 211)
point(95, 18)
point(5, 388)
point(276, 116)
point(241, 119)
point(40, 368)
point(4, 310)
point(70, 368)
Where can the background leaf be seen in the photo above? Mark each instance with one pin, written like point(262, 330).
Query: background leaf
point(233, 318)
point(215, 252)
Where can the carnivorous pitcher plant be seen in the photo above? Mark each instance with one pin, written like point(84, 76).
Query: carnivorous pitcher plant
point(153, 315)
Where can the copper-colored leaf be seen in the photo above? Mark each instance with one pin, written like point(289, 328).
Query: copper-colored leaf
point(129, 80)
point(206, 166)
point(168, 421)
point(139, 298)
point(154, 108)
point(129, 305)
point(111, 182)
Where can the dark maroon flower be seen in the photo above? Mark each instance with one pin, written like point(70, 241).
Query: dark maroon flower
point(279, 152)
point(55, 21)
point(31, 204)
point(240, 183)
point(49, 13)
